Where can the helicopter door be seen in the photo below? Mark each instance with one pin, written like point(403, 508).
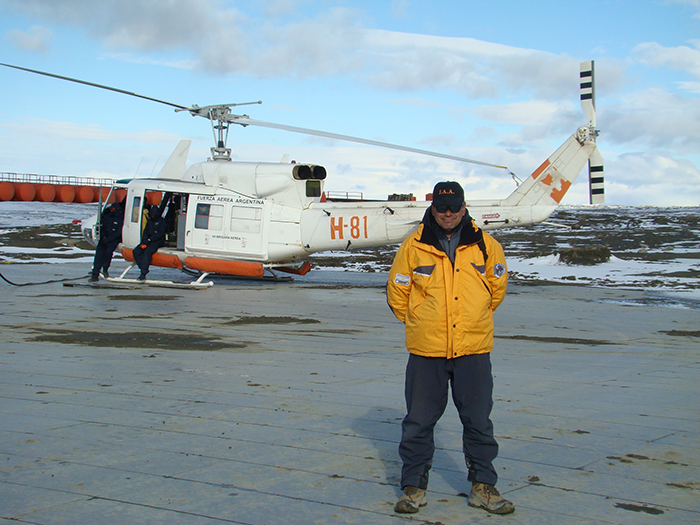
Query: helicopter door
point(246, 229)
point(133, 219)
point(234, 227)
point(205, 226)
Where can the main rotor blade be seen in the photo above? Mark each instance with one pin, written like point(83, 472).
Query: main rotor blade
point(108, 88)
point(245, 121)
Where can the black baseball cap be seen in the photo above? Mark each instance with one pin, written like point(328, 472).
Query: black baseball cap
point(448, 193)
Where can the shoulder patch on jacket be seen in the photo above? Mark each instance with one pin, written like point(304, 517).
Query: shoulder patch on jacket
point(499, 270)
point(403, 280)
point(427, 271)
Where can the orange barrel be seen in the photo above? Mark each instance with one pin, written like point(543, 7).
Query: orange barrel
point(84, 194)
point(7, 191)
point(105, 192)
point(65, 193)
point(154, 198)
point(24, 191)
point(45, 192)
point(119, 195)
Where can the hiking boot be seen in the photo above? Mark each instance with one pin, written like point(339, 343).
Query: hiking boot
point(141, 277)
point(484, 496)
point(411, 500)
point(93, 279)
point(105, 274)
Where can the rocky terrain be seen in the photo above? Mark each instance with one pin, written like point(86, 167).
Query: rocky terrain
point(661, 245)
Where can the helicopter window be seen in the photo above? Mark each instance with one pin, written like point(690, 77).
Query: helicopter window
point(136, 210)
point(209, 217)
point(313, 188)
point(246, 220)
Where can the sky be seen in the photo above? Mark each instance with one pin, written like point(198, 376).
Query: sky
point(494, 81)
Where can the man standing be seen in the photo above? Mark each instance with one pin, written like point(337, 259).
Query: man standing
point(446, 281)
point(110, 236)
point(152, 238)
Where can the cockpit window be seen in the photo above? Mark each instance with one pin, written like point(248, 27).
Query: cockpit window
point(136, 210)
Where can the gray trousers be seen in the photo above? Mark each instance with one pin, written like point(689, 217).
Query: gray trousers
point(427, 383)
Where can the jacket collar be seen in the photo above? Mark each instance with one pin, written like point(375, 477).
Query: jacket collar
point(470, 233)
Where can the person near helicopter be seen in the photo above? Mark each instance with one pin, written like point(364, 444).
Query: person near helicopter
point(152, 238)
point(446, 281)
point(110, 236)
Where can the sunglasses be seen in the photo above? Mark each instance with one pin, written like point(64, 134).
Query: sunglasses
point(442, 208)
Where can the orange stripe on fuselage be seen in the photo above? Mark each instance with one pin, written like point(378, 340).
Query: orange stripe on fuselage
point(539, 170)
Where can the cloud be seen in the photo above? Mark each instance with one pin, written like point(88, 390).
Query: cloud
point(132, 24)
point(220, 39)
point(654, 118)
point(649, 178)
point(523, 113)
point(317, 47)
point(212, 37)
point(652, 179)
point(77, 149)
point(479, 69)
point(681, 58)
point(37, 39)
point(691, 87)
point(691, 3)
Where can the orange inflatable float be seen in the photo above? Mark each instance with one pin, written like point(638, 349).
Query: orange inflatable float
point(164, 260)
point(244, 269)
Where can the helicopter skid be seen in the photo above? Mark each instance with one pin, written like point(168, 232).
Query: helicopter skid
point(195, 285)
point(123, 281)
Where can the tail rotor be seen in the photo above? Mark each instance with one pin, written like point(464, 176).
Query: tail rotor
point(595, 161)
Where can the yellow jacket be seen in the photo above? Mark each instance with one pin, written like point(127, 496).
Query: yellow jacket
point(448, 311)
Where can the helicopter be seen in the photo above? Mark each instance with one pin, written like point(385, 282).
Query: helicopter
point(253, 219)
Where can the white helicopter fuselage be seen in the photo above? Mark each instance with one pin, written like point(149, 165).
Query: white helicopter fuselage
point(274, 215)
point(242, 218)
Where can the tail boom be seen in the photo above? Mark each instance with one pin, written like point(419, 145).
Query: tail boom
point(549, 183)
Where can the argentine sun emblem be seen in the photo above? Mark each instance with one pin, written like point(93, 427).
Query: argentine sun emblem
point(499, 270)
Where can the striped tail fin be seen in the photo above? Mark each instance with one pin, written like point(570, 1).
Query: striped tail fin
point(595, 162)
point(595, 178)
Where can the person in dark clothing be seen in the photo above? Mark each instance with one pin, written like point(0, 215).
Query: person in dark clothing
point(152, 238)
point(110, 236)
